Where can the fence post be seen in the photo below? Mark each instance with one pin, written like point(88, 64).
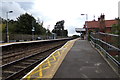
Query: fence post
point(106, 48)
point(95, 40)
point(119, 54)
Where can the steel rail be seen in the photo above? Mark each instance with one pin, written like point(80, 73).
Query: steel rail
point(15, 75)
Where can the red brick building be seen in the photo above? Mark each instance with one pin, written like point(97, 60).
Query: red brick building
point(101, 25)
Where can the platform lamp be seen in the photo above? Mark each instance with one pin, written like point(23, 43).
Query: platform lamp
point(7, 31)
point(86, 24)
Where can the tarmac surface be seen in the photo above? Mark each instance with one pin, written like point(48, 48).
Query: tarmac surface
point(83, 61)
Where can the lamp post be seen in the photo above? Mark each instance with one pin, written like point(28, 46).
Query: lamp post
point(47, 31)
point(86, 25)
point(7, 31)
point(33, 30)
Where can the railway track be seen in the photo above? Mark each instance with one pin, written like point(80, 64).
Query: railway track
point(18, 68)
point(10, 56)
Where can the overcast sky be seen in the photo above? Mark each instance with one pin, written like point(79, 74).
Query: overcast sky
point(51, 11)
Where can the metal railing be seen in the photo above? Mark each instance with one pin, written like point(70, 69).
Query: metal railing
point(109, 44)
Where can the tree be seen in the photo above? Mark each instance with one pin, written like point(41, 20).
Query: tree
point(2, 25)
point(116, 28)
point(59, 29)
point(12, 26)
point(25, 24)
point(39, 29)
point(75, 36)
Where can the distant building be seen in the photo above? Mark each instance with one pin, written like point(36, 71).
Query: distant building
point(101, 25)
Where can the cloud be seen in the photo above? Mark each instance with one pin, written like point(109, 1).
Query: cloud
point(17, 0)
point(12, 6)
point(70, 10)
point(26, 5)
point(51, 11)
point(56, 10)
point(119, 9)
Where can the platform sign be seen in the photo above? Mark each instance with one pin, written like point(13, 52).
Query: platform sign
point(80, 29)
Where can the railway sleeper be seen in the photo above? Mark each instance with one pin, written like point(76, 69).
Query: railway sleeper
point(26, 63)
point(32, 60)
point(19, 66)
point(4, 75)
point(36, 58)
point(8, 72)
point(13, 69)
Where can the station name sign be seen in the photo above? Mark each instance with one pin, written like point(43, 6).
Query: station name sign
point(79, 29)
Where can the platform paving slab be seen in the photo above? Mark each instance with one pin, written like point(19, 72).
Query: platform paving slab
point(83, 61)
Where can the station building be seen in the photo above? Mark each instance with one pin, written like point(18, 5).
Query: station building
point(101, 25)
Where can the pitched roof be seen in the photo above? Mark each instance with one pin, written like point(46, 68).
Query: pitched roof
point(92, 24)
point(109, 23)
point(96, 24)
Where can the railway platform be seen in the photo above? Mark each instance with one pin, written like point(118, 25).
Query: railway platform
point(82, 61)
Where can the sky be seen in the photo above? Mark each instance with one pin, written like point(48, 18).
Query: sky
point(51, 11)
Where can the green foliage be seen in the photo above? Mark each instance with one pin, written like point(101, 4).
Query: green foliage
point(48, 32)
point(2, 27)
point(116, 29)
point(59, 29)
point(65, 32)
point(24, 25)
point(39, 29)
point(75, 36)
point(89, 32)
point(12, 26)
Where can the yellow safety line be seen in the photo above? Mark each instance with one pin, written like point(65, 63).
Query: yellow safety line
point(40, 68)
point(28, 77)
point(48, 63)
point(40, 73)
point(35, 71)
point(45, 63)
point(58, 52)
point(46, 68)
point(54, 58)
point(36, 78)
point(57, 56)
